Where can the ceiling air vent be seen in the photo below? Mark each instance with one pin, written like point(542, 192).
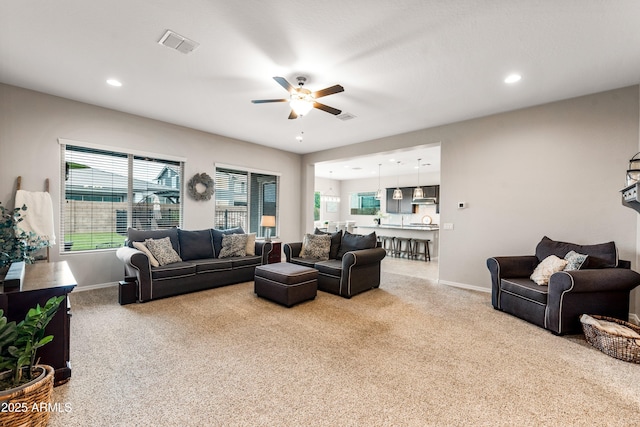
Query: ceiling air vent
point(176, 41)
point(346, 116)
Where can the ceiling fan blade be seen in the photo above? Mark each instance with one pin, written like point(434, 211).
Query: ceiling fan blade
point(284, 83)
point(328, 91)
point(262, 101)
point(293, 115)
point(326, 108)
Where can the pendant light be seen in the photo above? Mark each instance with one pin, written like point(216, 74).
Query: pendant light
point(379, 192)
point(397, 193)
point(417, 192)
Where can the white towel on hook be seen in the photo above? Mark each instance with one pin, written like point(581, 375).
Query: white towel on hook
point(38, 218)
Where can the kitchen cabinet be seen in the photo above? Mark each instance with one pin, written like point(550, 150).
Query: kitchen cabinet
point(403, 206)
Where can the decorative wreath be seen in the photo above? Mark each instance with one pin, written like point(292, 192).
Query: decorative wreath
point(206, 181)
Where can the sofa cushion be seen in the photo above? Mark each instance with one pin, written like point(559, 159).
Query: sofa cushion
point(303, 261)
point(162, 250)
point(336, 239)
point(212, 264)
point(135, 235)
point(548, 266)
point(315, 246)
point(332, 267)
point(233, 245)
point(246, 261)
point(195, 244)
point(525, 288)
point(217, 237)
point(171, 271)
point(602, 255)
point(355, 242)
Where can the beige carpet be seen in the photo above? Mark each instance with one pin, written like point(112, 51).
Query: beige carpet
point(412, 353)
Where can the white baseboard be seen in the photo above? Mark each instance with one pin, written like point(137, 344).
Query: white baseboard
point(96, 286)
point(464, 286)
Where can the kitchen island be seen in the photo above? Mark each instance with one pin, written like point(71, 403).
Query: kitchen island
point(416, 231)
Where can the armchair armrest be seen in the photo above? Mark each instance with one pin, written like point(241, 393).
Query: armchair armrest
point(592, 291)
point(508, 266)
point(512, 266)
point(594, 280)
point(362, 257)
point(292, 250)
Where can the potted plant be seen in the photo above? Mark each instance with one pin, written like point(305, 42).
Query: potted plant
point(15, 243)
point(26, 386)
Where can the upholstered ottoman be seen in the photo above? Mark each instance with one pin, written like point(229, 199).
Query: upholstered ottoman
point(285, 283)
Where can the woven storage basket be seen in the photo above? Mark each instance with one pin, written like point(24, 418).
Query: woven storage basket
point(20, 402)
point(627, 349)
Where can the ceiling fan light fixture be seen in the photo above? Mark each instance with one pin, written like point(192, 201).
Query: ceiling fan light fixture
point(300, 104)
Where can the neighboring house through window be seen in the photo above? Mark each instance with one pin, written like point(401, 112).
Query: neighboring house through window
point(243, 197)
point(105, 192)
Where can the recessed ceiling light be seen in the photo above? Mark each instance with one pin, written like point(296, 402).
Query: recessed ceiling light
point(114, 82)
point(513, 78)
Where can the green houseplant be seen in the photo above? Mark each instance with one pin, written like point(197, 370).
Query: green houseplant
point(25, 386)
point(16, 244)
point(20, 342)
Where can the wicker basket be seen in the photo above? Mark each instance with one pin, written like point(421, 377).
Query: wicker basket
point(627, 349)
point(28, 405)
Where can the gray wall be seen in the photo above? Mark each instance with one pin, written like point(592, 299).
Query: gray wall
point(32, 122)
point(554, 170)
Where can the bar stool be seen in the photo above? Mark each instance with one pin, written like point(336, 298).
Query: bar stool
point(387, 243)
point(425, 249)
point(407, 249)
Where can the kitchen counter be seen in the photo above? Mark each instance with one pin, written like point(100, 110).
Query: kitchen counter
point(417, 231)
point(416, 227)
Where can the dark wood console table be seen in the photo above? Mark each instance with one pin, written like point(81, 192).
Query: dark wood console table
point(41, 282)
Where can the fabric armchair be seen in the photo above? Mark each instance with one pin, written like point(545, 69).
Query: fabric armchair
point(598, 288)
point(349, 273)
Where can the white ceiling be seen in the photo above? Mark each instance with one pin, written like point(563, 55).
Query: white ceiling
point(404, 64)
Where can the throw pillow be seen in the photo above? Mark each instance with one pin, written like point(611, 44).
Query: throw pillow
point(575, 261)
point(195, 244)
point(142, 247)
point(233, 245)
point(217, 237)
point(548, 266)
point(162, 250)
point(336, 239)
point(316, 246)
point(251, 244)
point(355, 242)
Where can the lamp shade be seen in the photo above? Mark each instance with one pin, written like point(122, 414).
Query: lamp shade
point(268, 221)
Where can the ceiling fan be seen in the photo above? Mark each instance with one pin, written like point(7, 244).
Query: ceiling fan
point(302, 100)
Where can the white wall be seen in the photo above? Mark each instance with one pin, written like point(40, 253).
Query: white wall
point(31, 123)
point(554, 170)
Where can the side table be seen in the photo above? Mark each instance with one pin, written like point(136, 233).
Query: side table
point(276, 253)
point(42, 281)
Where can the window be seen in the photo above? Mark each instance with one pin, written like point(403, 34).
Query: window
point(105, 192)
point(243, 197)
point(364, 204)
